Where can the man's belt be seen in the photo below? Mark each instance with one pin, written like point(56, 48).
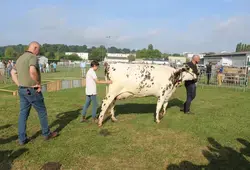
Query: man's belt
point(25, 87)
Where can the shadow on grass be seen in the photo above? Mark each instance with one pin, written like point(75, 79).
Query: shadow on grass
point(140, 108)
point(5, 126)
point(8, 156)
point(63, 119)
point(9, 139)
point(219, 157)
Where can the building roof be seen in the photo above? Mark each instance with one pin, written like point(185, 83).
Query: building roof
point(228, 54)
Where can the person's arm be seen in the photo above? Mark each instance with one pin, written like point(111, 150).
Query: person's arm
point(34, 75)
point(14, 76)
point(100, 81)
point(103, 81)
point(33, 70)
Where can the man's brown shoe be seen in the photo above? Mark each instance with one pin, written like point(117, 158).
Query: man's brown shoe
point(51, 135)
point(24, 142)
point(84, 119)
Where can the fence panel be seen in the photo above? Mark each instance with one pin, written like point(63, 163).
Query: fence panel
point(233, 80)
point(66, 84)
point(76, 83)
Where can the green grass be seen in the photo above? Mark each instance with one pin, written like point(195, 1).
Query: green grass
point(206, 139)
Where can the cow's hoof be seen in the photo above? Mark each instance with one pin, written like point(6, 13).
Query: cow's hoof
point(114, 120)
point(99, 124)
point(157, 121)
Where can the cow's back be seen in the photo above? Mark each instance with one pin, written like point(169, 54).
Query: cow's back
point(140, 79)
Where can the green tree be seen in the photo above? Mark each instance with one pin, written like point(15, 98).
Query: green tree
point(98, 53)
point(58, 55)
point(9, 52)
point(238, 47)
point(248, 48)
point(126, 50)
point(165, 56)
point(150, 47)
point(156, 54)
point(50, 55)
point(142, 53)
point(131, 58)
point(176, 54)
point(74, 57)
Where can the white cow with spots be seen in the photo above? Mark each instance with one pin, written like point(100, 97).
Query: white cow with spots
point(142, 80)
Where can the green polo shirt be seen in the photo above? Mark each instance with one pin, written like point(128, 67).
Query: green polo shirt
point(23, 65)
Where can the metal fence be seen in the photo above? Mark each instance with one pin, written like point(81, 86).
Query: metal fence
point(62, 84)
point(231, 80)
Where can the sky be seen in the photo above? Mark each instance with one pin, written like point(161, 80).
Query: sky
point(170, 25)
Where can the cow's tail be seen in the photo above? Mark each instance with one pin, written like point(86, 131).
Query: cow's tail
point(106, 74)
point(106, 70)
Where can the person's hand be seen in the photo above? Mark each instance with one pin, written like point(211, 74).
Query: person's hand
point(39, 88)
point(109, 82)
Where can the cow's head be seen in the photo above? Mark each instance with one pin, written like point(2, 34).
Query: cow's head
point(183, 74)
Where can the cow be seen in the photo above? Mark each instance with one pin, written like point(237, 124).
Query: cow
point(142, 80)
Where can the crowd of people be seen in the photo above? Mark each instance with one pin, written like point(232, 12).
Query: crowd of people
point(46, 67)
point(7, 66)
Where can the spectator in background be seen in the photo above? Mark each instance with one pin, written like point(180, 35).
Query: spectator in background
point(91, 92)
point(208, 71)
point(27, 77)
point(44, 67)
point(5, 67)
point(54, 66)
point(40, 67)
point(13, 65)
point(9, 68)
point(220, 75)
point(83, 68)
point(51, 67)
point(47, 67)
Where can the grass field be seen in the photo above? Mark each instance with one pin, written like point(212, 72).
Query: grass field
point(216, 136)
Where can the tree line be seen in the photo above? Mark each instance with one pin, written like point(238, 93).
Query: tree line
point(57, 52)
point(240, 47)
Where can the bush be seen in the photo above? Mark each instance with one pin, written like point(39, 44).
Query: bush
point(131, 58)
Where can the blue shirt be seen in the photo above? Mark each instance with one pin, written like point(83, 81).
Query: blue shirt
point(221, 70)
point(54, 65)
point(83, 65)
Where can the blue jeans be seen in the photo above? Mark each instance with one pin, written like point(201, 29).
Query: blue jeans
point(191, 93)
point(30, 97)
point(89, 99)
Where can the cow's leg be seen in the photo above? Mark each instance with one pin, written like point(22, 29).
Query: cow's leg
point(158, 109)
point(121, 96)
point(105, 106)
point(112, 111)
point(165, 105)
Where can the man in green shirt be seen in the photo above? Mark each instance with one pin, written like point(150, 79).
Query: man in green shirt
point(28, 79)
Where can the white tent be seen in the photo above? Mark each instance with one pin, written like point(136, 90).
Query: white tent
point(42, 60)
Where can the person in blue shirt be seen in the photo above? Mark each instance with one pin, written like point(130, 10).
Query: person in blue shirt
point(83, 68)
point(54, 66)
